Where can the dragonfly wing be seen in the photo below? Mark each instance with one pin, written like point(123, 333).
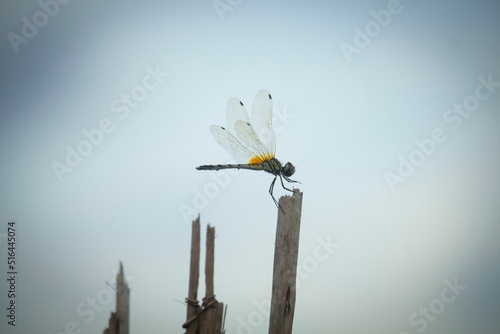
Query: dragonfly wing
point(262, 120)
point(240, 139)
point(236, 111)
point(231, 144)
point(248, 137)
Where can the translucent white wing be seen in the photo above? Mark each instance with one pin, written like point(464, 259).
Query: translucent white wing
point(235, 112)
point(233, 146)
point(262, 120)
point(240, 139)
point(249, 138)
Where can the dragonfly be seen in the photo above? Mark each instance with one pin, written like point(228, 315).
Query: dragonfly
point(252, 142)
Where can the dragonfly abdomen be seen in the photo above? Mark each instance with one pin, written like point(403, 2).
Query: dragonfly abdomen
point(272, 166)
point(231, 166)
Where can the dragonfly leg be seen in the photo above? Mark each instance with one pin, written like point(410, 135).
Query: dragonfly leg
point(283, 185)
point(271, 188)
point(290, 180)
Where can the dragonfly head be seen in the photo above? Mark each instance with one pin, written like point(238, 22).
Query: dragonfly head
point(288, 169)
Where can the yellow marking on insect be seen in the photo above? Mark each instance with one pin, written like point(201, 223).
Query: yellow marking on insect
point(259, 159)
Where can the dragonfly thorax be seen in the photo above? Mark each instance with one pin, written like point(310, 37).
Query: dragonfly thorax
point(288, 169)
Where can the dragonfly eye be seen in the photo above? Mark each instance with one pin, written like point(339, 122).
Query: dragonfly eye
point(288, 169)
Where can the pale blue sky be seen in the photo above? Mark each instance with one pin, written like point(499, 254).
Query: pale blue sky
point(344, 121)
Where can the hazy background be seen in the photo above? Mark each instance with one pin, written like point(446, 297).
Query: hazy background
point(343, 121)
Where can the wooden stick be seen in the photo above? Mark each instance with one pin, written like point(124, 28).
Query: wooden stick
point(285, 264)
point(194, 273)
point(211, 318)
point(122, 301)
point(209, 262)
